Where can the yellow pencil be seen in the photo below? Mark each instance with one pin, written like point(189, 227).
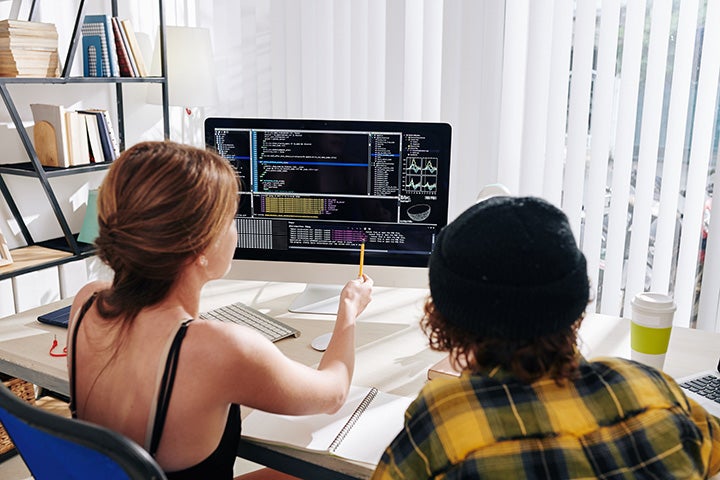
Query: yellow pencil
point(362, 258)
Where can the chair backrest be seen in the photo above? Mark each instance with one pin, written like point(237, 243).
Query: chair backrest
point(57, 448)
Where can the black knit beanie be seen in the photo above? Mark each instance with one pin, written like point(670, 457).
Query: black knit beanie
point(509, 268)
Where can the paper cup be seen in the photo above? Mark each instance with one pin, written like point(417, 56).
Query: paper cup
point(650, 327)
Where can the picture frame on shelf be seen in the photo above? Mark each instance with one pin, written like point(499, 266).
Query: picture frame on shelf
point(5, 256)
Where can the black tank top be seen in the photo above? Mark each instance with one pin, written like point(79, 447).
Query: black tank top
point(219, 464)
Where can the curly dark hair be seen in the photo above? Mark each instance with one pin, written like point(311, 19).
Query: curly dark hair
point(554, 355)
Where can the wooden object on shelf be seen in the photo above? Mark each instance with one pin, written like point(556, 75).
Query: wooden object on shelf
point(50, 124)
point(26, 257)
point(5, 256)
point(45, 144)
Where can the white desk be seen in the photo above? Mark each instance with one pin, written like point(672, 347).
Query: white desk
point(392, 352)
point(689, 351)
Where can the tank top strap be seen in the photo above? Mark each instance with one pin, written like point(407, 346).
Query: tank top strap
point(163, 391)
point(73, 343)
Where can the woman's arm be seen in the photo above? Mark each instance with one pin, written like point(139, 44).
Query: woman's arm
point(339, 357)
point(255, 373)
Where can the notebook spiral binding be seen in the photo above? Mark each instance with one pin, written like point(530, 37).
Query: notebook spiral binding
point(353, 419)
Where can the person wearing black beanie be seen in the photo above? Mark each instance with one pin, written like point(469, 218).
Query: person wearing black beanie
point(509, 268)
point(508, 292)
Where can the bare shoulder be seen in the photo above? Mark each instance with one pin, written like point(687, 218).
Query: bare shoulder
point(84, 293)
point(232, 338)
point(229, 346)
point(87, 290)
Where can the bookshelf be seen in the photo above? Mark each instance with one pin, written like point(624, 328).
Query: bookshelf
point(37, 255)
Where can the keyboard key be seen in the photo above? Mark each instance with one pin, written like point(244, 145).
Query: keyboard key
point(707, 386)
point(241, 314)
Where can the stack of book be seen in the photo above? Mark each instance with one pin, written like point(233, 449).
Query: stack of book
point(65, 138)
point(110, 48)
point(28, 49)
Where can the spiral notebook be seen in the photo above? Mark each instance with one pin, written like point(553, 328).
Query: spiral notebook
point(360, 430)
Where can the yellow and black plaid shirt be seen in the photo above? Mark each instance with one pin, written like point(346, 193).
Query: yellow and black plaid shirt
point(618, 420)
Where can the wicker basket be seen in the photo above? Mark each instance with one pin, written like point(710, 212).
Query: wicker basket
point(25, 391)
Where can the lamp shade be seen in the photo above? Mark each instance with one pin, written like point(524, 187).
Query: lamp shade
point(190, 68)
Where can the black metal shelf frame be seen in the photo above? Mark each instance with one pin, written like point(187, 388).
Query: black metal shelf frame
point(54, 244)
point(35, 169)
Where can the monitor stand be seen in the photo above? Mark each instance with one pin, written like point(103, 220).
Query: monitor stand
point(316, 298)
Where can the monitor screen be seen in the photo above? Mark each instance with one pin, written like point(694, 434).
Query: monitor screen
point(313, 191)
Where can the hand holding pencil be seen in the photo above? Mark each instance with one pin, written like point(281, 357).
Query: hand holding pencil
point(357, 292)
point(362, 259)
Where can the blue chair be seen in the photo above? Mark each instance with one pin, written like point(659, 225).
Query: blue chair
point(57, 448)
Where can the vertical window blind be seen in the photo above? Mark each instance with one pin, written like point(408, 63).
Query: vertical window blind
point(609, 109)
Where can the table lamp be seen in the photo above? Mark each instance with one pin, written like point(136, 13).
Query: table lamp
point(190, 76)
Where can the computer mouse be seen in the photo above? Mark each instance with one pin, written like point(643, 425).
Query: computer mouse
point(320, 342)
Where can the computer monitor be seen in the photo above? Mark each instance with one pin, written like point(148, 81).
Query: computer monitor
point(313, 191)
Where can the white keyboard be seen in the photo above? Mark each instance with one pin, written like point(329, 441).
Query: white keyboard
point(707, 386)
point(241, 314)
point(704, 388)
